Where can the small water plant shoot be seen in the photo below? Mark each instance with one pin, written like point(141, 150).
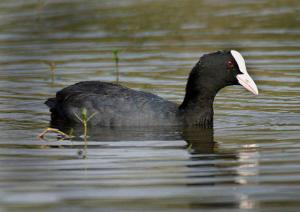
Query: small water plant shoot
point(116, 59)
point(84, 119)
point(52, 66)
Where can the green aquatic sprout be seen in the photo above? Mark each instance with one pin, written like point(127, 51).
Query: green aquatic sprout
point(52, 66)
point(116, 59)
point(189, 147)
point(84, 119)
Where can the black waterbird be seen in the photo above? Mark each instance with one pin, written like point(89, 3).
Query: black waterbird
point(115, 105)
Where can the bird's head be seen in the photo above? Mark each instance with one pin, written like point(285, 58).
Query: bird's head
point(217, 70)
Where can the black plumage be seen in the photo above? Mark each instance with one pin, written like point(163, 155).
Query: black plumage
point(115, 105)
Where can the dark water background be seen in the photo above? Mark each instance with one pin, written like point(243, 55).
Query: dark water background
point(252, 162)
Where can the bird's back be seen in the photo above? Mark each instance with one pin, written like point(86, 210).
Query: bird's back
point(113, 105)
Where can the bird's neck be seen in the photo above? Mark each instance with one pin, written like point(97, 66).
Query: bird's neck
point(197, 106)
point(198, 111)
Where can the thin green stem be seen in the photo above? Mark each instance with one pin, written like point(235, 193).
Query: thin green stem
point(116, 59)
point(84, 119)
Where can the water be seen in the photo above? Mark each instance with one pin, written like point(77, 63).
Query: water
point(250, 160)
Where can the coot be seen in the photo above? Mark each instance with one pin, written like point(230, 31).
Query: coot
point(115, 105)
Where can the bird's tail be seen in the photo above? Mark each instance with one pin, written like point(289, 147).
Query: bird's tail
point(51, 103)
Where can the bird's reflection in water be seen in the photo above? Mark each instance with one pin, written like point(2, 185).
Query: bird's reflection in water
point(207, 165)
point(198, 140)
point(209, 168)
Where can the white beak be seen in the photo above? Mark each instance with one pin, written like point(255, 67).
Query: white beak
point(244, 79)
point(247, 82)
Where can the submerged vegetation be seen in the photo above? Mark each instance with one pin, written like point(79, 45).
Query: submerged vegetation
point(84, 119)
point(61, 135)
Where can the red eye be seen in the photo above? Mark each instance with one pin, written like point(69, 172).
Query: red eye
point(229, 64)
